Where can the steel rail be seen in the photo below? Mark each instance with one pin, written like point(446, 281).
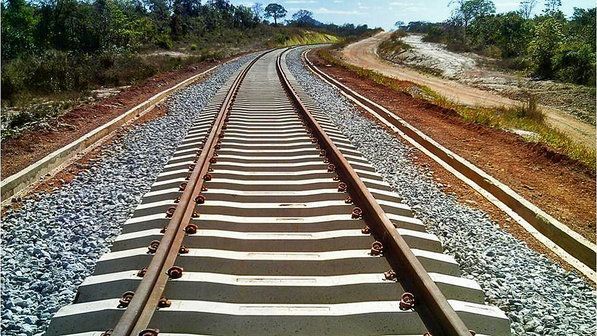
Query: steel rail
point(431, 304)
point(571, 243)
point(144, 303)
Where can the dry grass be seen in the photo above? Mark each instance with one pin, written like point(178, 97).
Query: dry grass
point(527, 117)
point(394, 45)
point(309, 37)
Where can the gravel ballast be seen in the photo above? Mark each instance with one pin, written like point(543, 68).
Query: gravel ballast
point(52, 242)
point(539, 296)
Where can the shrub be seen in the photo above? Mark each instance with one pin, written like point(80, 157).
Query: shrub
point(52, 71)
point(548, 38)
point(164, 41)
point(434, 34)
point(575, 62)
point(530, 110)
point(492, 51)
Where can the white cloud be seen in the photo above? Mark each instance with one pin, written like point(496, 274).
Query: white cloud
point(338, 1)
point(300, 1)
point(361, 6)
point(323, 10)
point(407, 6)
point(506, 6)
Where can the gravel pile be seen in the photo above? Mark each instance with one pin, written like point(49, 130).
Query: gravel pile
point(539, 297)
point(53, 242)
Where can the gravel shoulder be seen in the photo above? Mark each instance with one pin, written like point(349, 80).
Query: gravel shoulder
point(562, 188)
point(472, 91)
point(20, 151)
point(539, 297)
point(52, 241)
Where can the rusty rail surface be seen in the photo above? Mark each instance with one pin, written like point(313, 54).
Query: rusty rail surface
point(137, 316)
point(438, 315)
point(274, 246)
point(570, 241)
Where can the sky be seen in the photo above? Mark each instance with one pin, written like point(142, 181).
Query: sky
point(384, 13)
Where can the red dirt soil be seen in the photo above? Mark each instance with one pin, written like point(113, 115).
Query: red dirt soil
point(563, 188)
point(32, 145)
point(69, 172)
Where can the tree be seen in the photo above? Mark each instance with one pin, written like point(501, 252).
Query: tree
point(418, 26)
point(244, 17)
point(575, 62)
point(552, 6)
point(160, 12)
point(222, 5)
point(399, 24)
point(183, 14)
point(547, 40)
point(508, 32)
point(468, 10)
point(304, 18)
point(112, 26)
point(276, 11)
point(526, 8)
point(583, 26)
point(302, 15)
point(257, 9)
point(18, 25)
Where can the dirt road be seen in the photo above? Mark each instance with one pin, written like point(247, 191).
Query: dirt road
point(364, 54)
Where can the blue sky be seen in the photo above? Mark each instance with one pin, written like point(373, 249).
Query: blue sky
point(383, 13)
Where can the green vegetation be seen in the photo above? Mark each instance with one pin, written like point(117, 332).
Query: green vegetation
point(394, 45)
point(275, 11)
point(66, 45)
point(65, 48)
point(527, 117)
point(547, 46)
point(307, 37)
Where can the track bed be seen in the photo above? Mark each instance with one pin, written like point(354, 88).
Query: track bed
point(254, 228)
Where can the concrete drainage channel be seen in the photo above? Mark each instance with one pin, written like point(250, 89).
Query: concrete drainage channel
point(53, 241)
point(259, 224)
point(538, 296)
point(497, 262)
point(579, 252)
point(26, 179)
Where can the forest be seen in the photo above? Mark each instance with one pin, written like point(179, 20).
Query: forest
point(72, 45)
point(547, 45)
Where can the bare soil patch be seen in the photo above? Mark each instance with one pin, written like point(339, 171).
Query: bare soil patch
point(32, 145)
point(82, 163)
point(561, 187)
point(364, 54)
point(487, 74)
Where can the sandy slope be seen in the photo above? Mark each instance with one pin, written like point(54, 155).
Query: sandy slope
point(363, 53)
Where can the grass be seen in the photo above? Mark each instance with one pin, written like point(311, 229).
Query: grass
point(351, 39)
point(39, 88)
point(394, 45)
point(527, 116)
point(29, 110)
point(308, 37)
point(47, 87)
point(391, 48)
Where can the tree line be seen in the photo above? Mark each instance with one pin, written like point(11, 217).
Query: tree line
point(548, 45)
point(62, 45)
point(99, 25)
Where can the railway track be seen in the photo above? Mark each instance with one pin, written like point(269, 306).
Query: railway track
point(267, 221)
